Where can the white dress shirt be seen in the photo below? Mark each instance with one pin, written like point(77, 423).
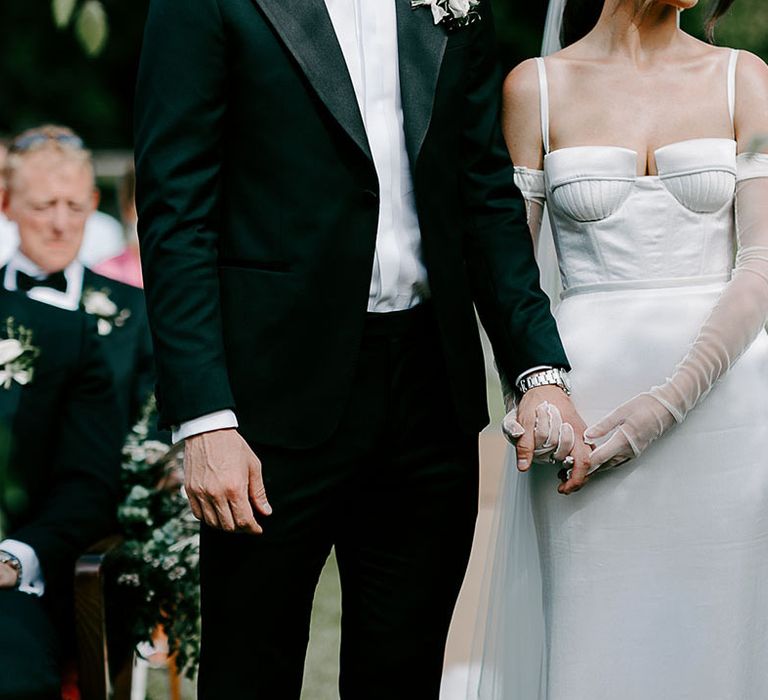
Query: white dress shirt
point(367, 33)
point(69, 300)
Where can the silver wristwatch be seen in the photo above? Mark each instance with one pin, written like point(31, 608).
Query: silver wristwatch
point(8, 559)
point(546, 377)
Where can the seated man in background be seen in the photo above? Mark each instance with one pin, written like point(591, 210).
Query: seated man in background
point(50, 194)
point(102, 240)
point(60, 443)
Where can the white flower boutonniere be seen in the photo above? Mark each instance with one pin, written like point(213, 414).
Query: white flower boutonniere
point(97, 303)
point(454, 14)
point(17, 355)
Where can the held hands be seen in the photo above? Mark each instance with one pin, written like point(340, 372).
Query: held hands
point(543, 428)
point(547, 436)
point(223, 481)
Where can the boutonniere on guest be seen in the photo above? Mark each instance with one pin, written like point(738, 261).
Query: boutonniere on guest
point(17, 355)
point(97, 303)
point(454, 14)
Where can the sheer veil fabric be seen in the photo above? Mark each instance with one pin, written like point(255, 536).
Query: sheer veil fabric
point(510, 636)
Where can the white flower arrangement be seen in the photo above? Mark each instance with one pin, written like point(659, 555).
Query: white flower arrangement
point(108, 316)
point(17, 355)
point(452, 13)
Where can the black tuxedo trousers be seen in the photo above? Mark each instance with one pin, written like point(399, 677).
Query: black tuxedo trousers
point(395, 492)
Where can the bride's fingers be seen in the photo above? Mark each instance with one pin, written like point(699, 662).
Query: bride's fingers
point(541, 427)
point(566, 441)
point(512, 430)
point(555, 424)
point(616, 448)
point(604, 426)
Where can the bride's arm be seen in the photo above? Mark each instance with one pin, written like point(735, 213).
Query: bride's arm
point(742, 310)
point(521, 122)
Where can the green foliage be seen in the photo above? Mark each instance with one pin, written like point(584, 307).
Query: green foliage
point(89, 19)
point(156, 567)
point(47, 73)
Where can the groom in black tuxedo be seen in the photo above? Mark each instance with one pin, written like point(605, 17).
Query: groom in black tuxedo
point(60, 443)
point(324, 196)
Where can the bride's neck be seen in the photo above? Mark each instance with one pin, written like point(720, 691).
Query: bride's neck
point(636, 37)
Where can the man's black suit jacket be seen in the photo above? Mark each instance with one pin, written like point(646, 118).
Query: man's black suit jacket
point(258, 207)
point(61, 440)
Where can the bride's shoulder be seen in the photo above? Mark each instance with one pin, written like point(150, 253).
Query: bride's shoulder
point(522, 82)
point(752, 71)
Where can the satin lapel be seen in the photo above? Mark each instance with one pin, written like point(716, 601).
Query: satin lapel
point(421, 46)
point(307, 31)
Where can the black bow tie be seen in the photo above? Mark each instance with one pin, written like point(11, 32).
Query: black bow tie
point(55, 281)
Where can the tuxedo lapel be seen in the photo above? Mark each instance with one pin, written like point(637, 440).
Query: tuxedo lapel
point(421, 46)
point(307, 31)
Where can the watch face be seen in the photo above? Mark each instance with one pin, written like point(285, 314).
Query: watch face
point(566, 380)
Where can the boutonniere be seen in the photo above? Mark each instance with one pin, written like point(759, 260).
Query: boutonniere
point(17, 355)
point(108, 316)
point(454, 14)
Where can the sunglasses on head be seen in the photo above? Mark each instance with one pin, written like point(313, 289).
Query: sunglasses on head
point(25, 143)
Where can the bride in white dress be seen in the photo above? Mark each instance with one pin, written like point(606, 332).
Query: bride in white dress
point(650, 582)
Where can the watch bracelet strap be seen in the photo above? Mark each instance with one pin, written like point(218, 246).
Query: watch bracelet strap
point(14, 562)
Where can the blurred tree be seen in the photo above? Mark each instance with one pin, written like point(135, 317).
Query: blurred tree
point(54, 69)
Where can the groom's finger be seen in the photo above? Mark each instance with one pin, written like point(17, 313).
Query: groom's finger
point(257, 492)
point(581, 467)
point(243, 517)
point(194, 505)
point(209, 513)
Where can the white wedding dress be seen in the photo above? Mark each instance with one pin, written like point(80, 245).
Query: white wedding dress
point(652, 582)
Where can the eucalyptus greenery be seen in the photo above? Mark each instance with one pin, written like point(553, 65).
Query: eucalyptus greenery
point(156, 567)
point(88, 19)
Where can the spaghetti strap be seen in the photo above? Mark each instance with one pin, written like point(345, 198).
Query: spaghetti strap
point(732, 63)
point(543, 103)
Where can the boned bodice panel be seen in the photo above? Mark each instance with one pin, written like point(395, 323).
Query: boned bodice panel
point(612, 226)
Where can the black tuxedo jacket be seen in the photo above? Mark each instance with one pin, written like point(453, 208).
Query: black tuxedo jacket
point(61, 440)
point(128, 348)
point(258, 207)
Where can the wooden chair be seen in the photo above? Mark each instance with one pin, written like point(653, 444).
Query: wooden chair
point(99, 676)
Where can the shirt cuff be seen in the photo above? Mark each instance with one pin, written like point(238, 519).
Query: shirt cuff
point(32, 580)
point(533, 370)
point(218, 420)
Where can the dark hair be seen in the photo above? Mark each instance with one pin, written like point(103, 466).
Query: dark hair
point(581, 16)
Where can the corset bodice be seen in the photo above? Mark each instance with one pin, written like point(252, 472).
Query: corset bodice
point(614, 228)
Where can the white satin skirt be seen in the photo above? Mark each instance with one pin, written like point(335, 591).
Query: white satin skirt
point(651, 582)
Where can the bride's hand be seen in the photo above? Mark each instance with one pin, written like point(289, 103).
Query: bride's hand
point(627, 432)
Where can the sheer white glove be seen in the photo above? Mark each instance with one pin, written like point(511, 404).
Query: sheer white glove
point(628, 431)
point(737, 319)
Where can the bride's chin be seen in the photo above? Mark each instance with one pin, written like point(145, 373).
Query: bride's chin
point(680, 4)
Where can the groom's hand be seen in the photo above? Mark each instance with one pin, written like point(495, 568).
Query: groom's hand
point(223, 481)
point(527, 417)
